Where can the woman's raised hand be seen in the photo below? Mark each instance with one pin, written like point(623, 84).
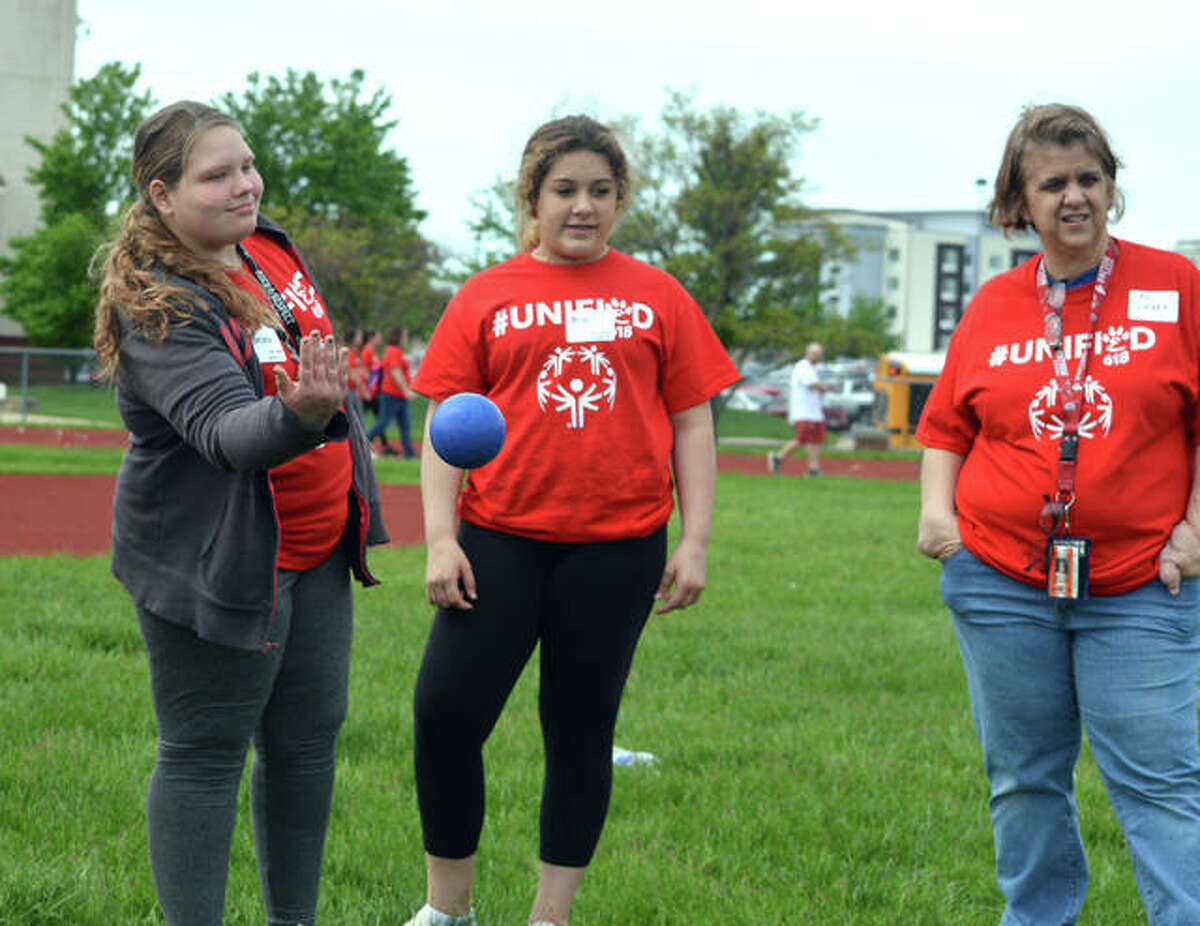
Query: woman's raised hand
point(320, 385)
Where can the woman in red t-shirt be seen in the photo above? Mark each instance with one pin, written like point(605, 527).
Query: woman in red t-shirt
point(603, 367)
point(1058, 490)
point(394, 394)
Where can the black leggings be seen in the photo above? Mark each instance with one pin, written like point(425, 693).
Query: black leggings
point(587, 603)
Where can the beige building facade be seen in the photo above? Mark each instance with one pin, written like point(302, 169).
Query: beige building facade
point(37, 67)
point(924, 265)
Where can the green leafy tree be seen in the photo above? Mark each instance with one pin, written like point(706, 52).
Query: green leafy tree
point(719, 206)
point(46, 286)
point(864, 331)
point(85, 168)
point(82, 181)
point(370, 277)
point(348, 200)
point(321, 149)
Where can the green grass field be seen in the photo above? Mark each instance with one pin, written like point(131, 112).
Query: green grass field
point(738, 431)
point(817, 762)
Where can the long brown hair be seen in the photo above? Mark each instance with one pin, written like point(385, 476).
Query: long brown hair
point(134, 279)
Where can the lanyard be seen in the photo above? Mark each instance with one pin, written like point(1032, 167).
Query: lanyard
point(291, 327)
point(1055, 514)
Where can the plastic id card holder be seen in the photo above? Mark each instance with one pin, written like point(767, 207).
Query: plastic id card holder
point(1067, 566)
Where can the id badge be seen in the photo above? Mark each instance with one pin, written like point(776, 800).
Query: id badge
point(268, 347)
point(589, 325)
point(1067, 566)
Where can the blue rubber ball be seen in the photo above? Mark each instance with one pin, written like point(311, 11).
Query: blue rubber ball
point(467, 430)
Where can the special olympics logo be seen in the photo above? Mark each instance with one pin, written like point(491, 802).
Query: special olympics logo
point(1097, 411)
point(576, 380)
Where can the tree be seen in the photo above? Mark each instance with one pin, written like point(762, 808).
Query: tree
point(718, 205)
point(347, 200)
point(370, 277)
point(46, 285)
point(323, 152)
point(83, 179)
point(85, 168)
point(863, 332)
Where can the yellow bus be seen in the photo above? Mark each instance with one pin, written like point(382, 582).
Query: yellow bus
point(902, 384)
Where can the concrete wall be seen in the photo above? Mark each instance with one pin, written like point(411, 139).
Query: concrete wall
point(37, 67)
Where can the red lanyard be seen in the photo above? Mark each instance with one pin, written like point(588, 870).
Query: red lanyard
point(1055, 513)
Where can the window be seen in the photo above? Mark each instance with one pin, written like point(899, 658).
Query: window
point(893, 254)
point(994, 262)
point(1019, 257)
point(893, 284)
point(950, 292)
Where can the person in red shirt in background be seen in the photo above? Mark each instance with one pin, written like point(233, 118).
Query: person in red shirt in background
point(356, 382)
point(372, 362)
point(1059, 492)
point(603, 367)
point(394, 394)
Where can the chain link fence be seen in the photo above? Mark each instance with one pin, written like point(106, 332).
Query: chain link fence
point(38, 383)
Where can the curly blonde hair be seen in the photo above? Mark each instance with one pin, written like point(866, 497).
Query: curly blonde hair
point(136, 264)
point(547, 143)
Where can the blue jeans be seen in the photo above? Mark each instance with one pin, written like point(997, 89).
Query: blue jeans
point(1126, 666)
point(391, 406)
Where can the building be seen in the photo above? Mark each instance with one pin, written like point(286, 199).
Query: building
point(37, 67)
point(924, 265)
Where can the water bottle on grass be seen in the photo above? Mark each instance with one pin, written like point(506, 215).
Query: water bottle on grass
point(621, 756)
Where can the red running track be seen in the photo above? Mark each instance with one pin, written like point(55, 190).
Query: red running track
point(42, 514)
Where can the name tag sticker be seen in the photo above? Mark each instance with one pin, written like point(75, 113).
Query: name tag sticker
point(267, 347)
point(1154, 305)
point(591, 325)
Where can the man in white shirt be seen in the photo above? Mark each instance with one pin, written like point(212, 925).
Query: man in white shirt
point(805, 413)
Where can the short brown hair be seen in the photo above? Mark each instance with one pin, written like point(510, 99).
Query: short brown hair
point(550, 141)
point(1048, 124)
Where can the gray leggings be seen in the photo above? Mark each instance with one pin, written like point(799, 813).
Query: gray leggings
point(210, 701)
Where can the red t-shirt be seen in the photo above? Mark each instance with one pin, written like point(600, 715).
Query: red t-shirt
point(371, 362)
point(587, 362)
point(995, 403)
point(358, 372)
point(393, 358)
point(310, 490)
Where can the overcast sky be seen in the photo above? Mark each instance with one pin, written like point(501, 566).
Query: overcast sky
point(914, 99)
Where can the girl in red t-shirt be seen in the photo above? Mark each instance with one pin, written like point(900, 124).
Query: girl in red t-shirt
point(603, 367)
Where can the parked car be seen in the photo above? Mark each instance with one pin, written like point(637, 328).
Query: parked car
point(852, 401)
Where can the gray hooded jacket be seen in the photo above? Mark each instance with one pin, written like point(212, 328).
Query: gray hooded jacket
point(195, 530)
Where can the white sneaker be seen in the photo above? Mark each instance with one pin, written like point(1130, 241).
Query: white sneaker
point(428, 916)
point(773, 462)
